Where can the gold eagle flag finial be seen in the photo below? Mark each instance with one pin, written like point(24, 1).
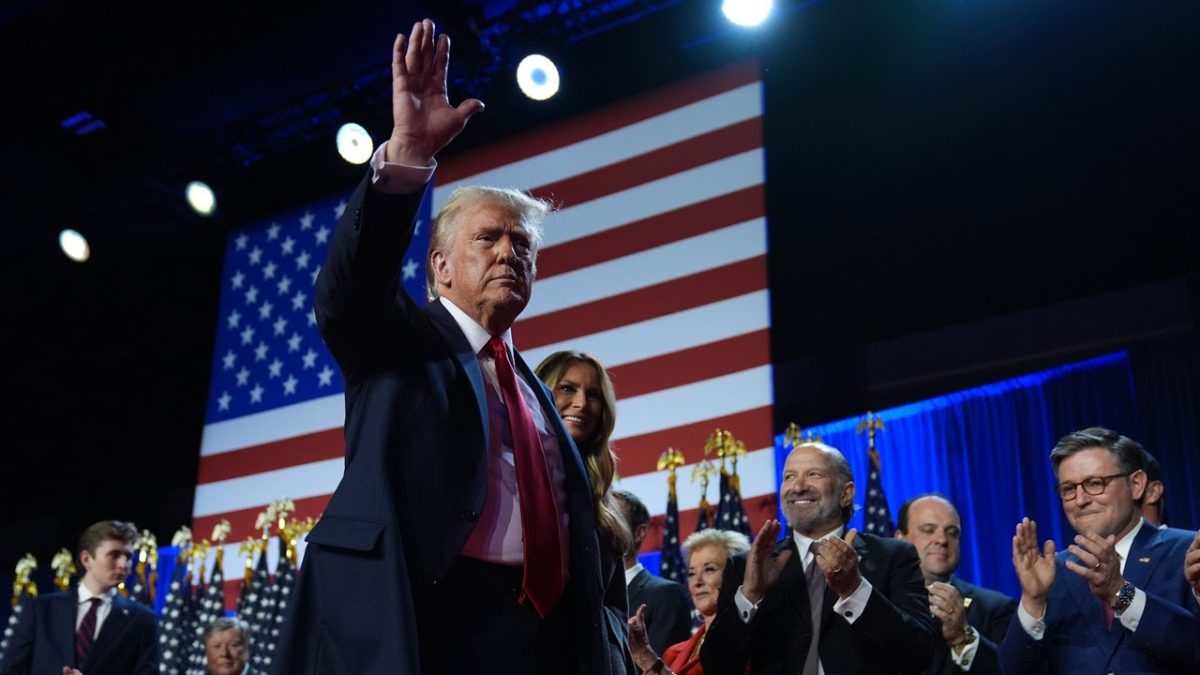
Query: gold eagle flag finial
point(293, 531)
point(794, 436)
point(870, 424)
point(63, 564)
point(23, 585)
point(249, 547)
point(670, 460)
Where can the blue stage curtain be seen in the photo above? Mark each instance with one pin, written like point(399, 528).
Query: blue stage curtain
point(988, 449)
point(1167, 377)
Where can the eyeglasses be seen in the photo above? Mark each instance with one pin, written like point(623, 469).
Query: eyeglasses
point(1093, 486)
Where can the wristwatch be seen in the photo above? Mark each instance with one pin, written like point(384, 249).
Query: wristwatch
point(1123, 597)
point(968, 635)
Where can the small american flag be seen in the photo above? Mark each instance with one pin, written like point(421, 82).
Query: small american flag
point(175, 633)
point(672, 566)
point(731, 514)
point(878, 518)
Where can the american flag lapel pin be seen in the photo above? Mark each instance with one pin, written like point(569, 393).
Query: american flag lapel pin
point(1144, 559)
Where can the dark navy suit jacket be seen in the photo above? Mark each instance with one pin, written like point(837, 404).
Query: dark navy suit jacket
point(416, 473)
point(989, 613)
point(894, 634)
point(1167, 639)
point(44, 639)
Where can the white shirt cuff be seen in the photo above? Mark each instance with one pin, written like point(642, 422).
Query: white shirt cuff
point(851, 607)
point(967, 657)
point(746, 609)
point(1133, 613)
point(1035, 628)
point(398, 179)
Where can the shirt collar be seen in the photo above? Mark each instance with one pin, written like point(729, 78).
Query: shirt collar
point(633, 572)
point(803, 543)
point(476, 334)
point(84, 595)
point(1126, 543)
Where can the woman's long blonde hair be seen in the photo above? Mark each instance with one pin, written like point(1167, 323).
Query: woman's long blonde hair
point(598, 456)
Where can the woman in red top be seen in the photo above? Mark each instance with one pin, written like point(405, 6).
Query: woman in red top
point(709, 552)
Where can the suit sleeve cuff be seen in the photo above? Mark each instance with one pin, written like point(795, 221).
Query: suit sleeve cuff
point(1133, 613)
point(1035, 628)
point(851, 607)
point(398, 179)
point(746, 609)
point(966, 657)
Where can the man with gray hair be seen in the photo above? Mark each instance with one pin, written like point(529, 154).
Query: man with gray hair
point(462, 537)
point(227, 647)
point(822, 600)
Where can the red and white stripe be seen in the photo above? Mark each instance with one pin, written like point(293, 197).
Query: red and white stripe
point(655, 264)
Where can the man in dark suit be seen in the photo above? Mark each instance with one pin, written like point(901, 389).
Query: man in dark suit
point(973, 619)
point(668, 614)
point(90, 629)
point(462, 537)
point(864, 594)
point(1115, 600)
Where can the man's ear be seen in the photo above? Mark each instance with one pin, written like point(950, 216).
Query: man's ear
point(441, 267)
point(899, 535)
point(1137, 484)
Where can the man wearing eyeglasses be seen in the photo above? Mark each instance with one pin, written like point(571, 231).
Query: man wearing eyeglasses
point(1116, 599)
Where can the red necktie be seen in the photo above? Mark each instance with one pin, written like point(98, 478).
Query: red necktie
point(545, 553)
point(85, 635)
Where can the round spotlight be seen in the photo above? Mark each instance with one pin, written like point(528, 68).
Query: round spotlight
point(201, 198)
point(74, 245)
point(354, 143)
point(746, 12)
point(538, 77)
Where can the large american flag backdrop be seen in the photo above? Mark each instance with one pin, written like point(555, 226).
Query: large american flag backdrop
point(655, 264)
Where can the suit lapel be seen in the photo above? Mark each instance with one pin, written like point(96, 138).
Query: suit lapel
point(1086, 606)
point(467, 359)
point(635, 587)
point(65, 606)
point(110, 631)
point(1144, 555)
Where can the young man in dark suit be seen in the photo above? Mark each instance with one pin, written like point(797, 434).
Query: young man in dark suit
point(668, 614)
point(91, 629)
point(973, 619)
point(823, 599)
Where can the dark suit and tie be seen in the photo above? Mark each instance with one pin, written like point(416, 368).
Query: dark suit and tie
point(971, 620)
point(89, 629)
point(434, 554)
point(1078, 638)
point(821, 599)
point(1116, 599)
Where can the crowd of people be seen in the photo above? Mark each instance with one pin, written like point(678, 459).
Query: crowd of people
point(477, 513)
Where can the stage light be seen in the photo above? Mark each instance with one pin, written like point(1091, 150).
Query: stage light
point(746, 12)
point(74, 245)
point(201, 198)
point(537, 77)
point(354, 143)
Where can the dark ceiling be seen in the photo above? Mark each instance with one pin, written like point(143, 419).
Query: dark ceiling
point(929, 163)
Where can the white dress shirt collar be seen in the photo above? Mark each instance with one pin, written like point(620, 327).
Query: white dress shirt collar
point(476, 334)
point(632, 572)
